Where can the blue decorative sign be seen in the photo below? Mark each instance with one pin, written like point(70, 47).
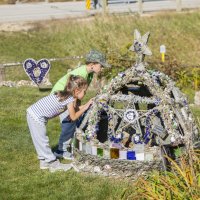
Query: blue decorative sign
point(36, 71)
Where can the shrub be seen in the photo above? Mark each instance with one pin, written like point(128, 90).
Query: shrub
point(182, 182)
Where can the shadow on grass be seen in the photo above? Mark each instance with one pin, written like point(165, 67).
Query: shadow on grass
point(54, 148)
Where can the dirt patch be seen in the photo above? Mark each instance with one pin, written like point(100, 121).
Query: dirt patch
point(14, 27)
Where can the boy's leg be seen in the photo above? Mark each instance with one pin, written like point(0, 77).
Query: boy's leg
point(40, 140)
point(67, 132)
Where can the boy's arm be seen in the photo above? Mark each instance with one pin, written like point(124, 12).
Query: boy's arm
point(60, 84)
point(80, 71)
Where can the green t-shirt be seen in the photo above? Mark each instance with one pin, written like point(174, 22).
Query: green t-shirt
point(80, 71)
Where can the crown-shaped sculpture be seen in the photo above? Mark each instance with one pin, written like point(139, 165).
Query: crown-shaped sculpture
point(138, 110)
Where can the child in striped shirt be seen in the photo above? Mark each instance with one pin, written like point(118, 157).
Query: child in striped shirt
point(49, 107)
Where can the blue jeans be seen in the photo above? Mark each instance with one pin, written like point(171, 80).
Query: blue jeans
point(68, 128)
point(67, 131)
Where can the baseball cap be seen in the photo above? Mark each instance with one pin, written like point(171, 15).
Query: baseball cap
point(96, 56)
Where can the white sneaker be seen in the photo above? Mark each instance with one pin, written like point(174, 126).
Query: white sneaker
point(63, 154)
point(57, 166)
point(44, 165)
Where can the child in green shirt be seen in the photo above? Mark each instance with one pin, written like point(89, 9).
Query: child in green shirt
point(95, 61)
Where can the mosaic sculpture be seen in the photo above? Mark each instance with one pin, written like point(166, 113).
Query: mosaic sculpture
point(136, 114)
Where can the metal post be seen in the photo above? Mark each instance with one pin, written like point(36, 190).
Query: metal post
point(88, 4)
point(178, 5)
point(140, 9)
point(105, 3)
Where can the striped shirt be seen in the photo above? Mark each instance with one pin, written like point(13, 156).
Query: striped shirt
point(48, 107)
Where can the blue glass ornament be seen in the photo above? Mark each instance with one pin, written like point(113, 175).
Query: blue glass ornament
point(137, 139)
point(97, 127)
point(155, 111)
point(87, 137)
point(147, 136)
point(116, 140)
point(157, 101)
point(112, 138)
point(131, 155)
point(146, 140)
point(185, 102)
point(121, 74)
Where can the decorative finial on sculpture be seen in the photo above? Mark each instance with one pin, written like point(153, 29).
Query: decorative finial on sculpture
point(140, 46)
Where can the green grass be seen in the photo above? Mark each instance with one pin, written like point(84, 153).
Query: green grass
point(20, 175)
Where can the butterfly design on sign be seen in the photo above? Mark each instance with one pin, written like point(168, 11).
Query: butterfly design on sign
point(36, 71)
